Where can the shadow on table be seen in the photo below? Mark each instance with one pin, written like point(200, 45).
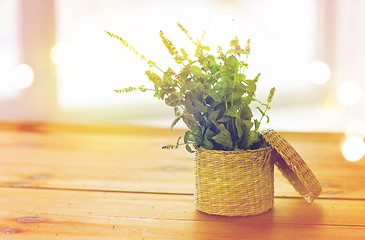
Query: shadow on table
point(286, 218)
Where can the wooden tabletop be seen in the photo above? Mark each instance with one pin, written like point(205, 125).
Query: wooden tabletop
point(115, 182)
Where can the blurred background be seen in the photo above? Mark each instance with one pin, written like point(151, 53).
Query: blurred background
point(58, 65)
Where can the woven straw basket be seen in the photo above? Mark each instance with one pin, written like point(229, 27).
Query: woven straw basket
point(234, 183)
point(241, 183)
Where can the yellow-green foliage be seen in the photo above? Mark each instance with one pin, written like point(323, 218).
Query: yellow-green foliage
point(210, 94)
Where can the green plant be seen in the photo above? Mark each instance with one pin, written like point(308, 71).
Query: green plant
point(210, 94)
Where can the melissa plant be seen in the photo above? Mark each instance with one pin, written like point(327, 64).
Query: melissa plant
point(210, 94)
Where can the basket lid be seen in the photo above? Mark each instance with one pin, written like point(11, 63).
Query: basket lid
point(292, 166)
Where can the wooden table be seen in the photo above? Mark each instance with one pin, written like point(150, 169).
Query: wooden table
point(77, 182)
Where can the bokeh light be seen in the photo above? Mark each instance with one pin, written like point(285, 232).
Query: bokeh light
point(353, 149)
point(349, 93)
point(319, 72)
point(58, 53)
point(22, 76)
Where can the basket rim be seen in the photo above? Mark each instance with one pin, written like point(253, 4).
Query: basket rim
point(238, 151)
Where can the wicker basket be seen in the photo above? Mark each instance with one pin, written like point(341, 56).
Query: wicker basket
point(234, 183)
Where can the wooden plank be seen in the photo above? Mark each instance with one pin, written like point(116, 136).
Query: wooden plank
point(37, 214)
point(90, 228)
point(110, 162)
point(114, 129)
point(127, 162)
point(42, 157)
point(35, 202)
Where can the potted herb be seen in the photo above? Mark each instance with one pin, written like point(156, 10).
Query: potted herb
point(212, 96)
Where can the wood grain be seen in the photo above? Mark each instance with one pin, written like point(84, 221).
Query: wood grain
point(52, 157)
point(115, 182)
point(76, 228)
point(42, 213)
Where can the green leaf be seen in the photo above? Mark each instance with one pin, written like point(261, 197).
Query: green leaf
point(221, 128)
point(224, 119)
point(238, 123)
point(213, 95)
point(251, 86)
point(214, 115)
point(190, 85)
point(207, 144)
point(167, 80)
point(182, 78)
point(209, 133)
point(189, 120)
point(253, 138)
point(176, 120)
point(218, 88)
point(173, 100)
point(230, 51)
point(221, 107)
point(243, 140)
point(223, 137)
point(257, 124)
point(189, 149)
point(186, 137)
point(232, 111)
point(159, 95)
point(248, 124)
point(197, 135)
point(240, 88)
point(211, 58)
point(142, 89)
point(247, 100)
point(196, 71)
point(189, 107)
point(199, 105)
point(267, 119)
point(232, 63)
point(246, 113)
point(241, 77)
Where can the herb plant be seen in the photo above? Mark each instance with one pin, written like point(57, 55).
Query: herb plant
point(210, 94)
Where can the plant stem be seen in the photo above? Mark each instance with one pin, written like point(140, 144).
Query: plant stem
point(266, 108)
